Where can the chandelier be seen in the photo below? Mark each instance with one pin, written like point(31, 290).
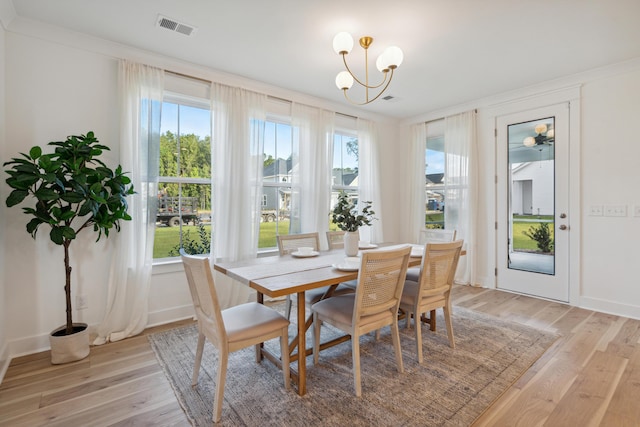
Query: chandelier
point(388, 61)
point(543, 136)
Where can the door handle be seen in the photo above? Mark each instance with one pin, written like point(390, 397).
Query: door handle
point(563, 227)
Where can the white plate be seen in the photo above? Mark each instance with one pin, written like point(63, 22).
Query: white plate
point(363, 245)
point(346, 267)
point(307, 255)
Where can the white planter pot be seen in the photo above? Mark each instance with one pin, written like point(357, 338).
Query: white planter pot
point(351, 239)
point(69, 348)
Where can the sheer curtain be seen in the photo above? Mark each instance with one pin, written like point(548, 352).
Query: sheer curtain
point(238, 137)
point(141, 90)
point(369, 177)
point(416, 171)
point(461, 191)
point(311, 199)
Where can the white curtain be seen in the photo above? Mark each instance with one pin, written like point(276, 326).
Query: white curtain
point(237, 149)
point(417, 181)
point(369, 178)
point(311, 195)
point(461, 191)
point(141, 90)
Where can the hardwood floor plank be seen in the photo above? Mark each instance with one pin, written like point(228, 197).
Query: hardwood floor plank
point(592, 370)
point(591, 391)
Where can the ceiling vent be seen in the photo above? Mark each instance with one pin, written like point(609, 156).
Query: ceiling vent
point(173, 25)
point(388, 97)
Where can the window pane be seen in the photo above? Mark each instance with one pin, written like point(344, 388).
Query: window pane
point(276, 193)
point(345, 170)
point(434, 182)
point(184, 198)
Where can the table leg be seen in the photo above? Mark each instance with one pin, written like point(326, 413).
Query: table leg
point(302, 344)
point(260, 298)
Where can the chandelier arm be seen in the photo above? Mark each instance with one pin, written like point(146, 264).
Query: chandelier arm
point(344, 59)
point(368, 100)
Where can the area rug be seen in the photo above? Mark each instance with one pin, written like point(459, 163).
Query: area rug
point(452, 388)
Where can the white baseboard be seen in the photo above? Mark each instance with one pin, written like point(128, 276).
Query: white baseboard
point(172, 314)
point(610, 307)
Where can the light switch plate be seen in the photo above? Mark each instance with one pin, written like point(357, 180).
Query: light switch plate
point(636, 210)
point(615, 210)
point(595, 210)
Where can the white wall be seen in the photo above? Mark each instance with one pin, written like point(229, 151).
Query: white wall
point(4, 349)
point(610, 176)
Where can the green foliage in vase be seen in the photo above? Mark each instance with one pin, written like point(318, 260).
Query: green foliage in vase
point(345, 214)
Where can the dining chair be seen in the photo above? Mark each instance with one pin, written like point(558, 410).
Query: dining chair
point(374, 305)
point(335, 239)
point(230, 329)
point(431, 235)
point(433, 288)
point(288, 243)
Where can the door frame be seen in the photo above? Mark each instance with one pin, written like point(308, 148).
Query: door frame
point(570, 95)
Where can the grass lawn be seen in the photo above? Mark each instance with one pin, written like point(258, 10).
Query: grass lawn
point(522, 242)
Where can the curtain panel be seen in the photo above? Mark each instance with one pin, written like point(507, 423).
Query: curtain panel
point(141, 91)
point(311, 180)
point(417, 181)
point(237, 149)
point(369, 178)
point(461, 192)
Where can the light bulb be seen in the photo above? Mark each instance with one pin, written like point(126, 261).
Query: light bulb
point(342, 43)
point(344, 80)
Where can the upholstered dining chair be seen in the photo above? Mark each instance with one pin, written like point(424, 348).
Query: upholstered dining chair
point(431, 235)
point(290, 243)
point(433, 288)
point(231, 329)
point(335, 239)
point(374, 305)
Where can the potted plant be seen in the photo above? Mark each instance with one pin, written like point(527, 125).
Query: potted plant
point(345, 215)
point(71, 190)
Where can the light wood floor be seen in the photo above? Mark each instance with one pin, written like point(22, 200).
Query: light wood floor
point(589, 377)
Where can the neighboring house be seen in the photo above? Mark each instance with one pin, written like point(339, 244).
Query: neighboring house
point(276, 198)
point(532, 188)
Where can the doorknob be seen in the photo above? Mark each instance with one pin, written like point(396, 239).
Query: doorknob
point(563, 227)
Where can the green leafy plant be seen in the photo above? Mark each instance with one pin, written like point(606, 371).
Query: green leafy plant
point(345, 214)
point(73, 190)
point(541, 235)
point(192, 246)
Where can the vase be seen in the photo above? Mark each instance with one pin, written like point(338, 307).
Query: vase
point(69, 348)
point(351, 239)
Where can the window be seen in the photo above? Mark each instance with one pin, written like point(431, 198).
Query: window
point(276, 182)
point(434, 182)
point(345, 168)
point(184, 189)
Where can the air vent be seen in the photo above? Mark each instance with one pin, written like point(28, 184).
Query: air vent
point(388, 97)
point(173, 25)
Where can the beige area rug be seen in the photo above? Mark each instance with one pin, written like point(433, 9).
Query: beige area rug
point(452, 388)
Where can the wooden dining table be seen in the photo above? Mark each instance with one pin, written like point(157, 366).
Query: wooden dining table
point(278, 276)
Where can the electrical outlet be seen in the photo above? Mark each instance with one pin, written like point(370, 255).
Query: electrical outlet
point(81, 302)
point(636, 210)
point(595, 210)
point(615, 210)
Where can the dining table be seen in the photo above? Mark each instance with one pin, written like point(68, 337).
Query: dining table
point(278, 276)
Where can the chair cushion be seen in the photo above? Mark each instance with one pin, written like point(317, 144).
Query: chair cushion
point(410, 293)
point(340, 310)
point(413, 273)
point(250, 320)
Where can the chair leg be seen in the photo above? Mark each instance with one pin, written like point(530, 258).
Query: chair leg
point(196, 364)
point(284, 350)
point(447, 320)
point(316, 338)
point(219, 395)
point(287, 309)
point(419, 337)
point(355, 355)
point(408, 325)
point(395, 334)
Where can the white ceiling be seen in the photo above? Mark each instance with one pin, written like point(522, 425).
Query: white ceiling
point(455, 51)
